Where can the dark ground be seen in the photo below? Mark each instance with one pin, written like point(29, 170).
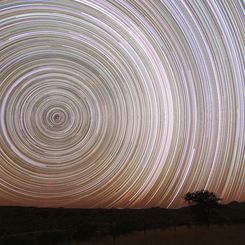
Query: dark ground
point(33, 226)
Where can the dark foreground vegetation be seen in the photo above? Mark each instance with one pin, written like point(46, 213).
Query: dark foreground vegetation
point(27, 225)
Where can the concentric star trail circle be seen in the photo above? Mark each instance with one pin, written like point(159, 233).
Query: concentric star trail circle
point(121, 103)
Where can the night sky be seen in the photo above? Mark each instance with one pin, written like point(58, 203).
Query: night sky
point(121, 103)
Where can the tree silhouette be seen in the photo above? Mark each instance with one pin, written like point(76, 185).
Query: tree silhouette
point(204, 205)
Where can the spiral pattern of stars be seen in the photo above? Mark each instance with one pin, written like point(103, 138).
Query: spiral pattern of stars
point(121, 103)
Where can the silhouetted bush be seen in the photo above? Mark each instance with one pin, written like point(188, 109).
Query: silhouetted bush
point(204, 205)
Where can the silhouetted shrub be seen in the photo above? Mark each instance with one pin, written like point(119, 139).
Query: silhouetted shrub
point(204, 205)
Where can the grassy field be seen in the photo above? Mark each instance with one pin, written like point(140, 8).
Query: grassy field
point(47, 226)
point(196, 235)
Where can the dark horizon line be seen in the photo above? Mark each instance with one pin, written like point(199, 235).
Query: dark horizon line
point(112, 208)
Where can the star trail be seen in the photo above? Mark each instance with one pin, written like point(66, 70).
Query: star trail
point(121, 103)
